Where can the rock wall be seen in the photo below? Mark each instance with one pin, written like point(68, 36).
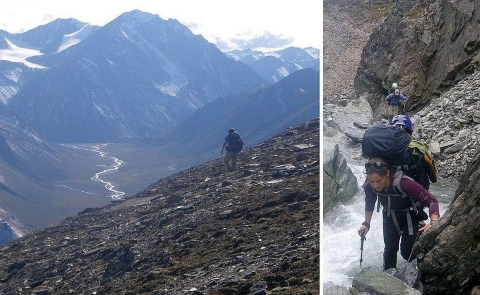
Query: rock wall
point(425, 46)
point(449, 253)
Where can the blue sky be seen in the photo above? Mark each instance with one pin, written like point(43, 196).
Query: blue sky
point(224, 23)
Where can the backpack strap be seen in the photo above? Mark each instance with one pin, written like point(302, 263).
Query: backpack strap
point(409, 223)
point(412, 160)
point(397, 177)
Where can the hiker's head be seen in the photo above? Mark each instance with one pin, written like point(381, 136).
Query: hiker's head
point(231, 130)
point(377, 173)
point(397, 91)
point(403, 122)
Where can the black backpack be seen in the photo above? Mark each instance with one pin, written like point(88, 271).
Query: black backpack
point(387, 142)
point(235, 143)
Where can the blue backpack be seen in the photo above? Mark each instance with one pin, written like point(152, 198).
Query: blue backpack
point(387, 142)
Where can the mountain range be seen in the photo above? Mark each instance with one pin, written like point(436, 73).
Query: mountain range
point(148, 89)
point(276, 65)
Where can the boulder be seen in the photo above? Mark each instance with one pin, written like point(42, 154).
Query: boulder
point(339, 182)
point(377, 282)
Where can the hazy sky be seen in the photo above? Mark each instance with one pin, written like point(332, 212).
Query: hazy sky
point(222, 22)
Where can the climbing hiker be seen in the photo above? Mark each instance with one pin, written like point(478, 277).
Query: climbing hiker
point(385, 107)
point(393, 102)
point(403, 200)
point(233, 144)
point(421, 166)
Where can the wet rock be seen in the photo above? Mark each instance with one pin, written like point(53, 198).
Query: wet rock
point(339, 182)
point(375, 281)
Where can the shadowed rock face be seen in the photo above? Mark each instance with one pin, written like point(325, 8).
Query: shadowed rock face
point(449, 253)
point(425, 46)
point(203, 230)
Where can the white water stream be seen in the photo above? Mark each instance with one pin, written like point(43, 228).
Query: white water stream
point(340, 240)
point(116, 164)
point(114, 193)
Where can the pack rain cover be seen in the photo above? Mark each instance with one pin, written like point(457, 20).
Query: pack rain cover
point(387, 142)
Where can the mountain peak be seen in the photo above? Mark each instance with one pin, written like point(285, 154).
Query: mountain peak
point(139, 15)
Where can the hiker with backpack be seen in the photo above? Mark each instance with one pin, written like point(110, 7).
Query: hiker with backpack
point(403, 200)
point(233, 144)
point(421, 166)
point(385, 108)
point(393, 102)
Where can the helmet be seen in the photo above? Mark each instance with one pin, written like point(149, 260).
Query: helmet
point(404, 122)
point(231, 130)
point(394, 85)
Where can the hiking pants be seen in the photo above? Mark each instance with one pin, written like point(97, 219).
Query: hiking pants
point(393, 110)
point(391, 238)
point(230, 160)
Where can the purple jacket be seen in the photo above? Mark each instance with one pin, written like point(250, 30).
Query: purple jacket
point(410, 187)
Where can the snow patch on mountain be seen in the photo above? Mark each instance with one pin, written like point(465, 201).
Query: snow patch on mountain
point(6, 92)
point(283, 72)
point(18, 54)
point(315, 53)
point(75, 38)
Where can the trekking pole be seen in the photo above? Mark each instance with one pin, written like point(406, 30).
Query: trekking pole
point(362, 239)
point(419, 233)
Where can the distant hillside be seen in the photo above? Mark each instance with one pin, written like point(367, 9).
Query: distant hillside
point(257, 115)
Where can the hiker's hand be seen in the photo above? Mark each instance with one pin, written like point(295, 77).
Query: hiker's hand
point(363, 229)
point(425, 227)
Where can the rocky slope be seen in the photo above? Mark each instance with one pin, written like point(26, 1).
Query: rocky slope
point(347, 26)
point(201, 231)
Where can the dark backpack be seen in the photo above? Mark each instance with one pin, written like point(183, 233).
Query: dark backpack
point(235, 143)
point(387, 142)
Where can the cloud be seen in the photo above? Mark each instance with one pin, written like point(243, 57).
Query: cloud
point(255, 42)
point(48, 18)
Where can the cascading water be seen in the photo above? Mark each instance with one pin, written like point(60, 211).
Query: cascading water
point(340, 240)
